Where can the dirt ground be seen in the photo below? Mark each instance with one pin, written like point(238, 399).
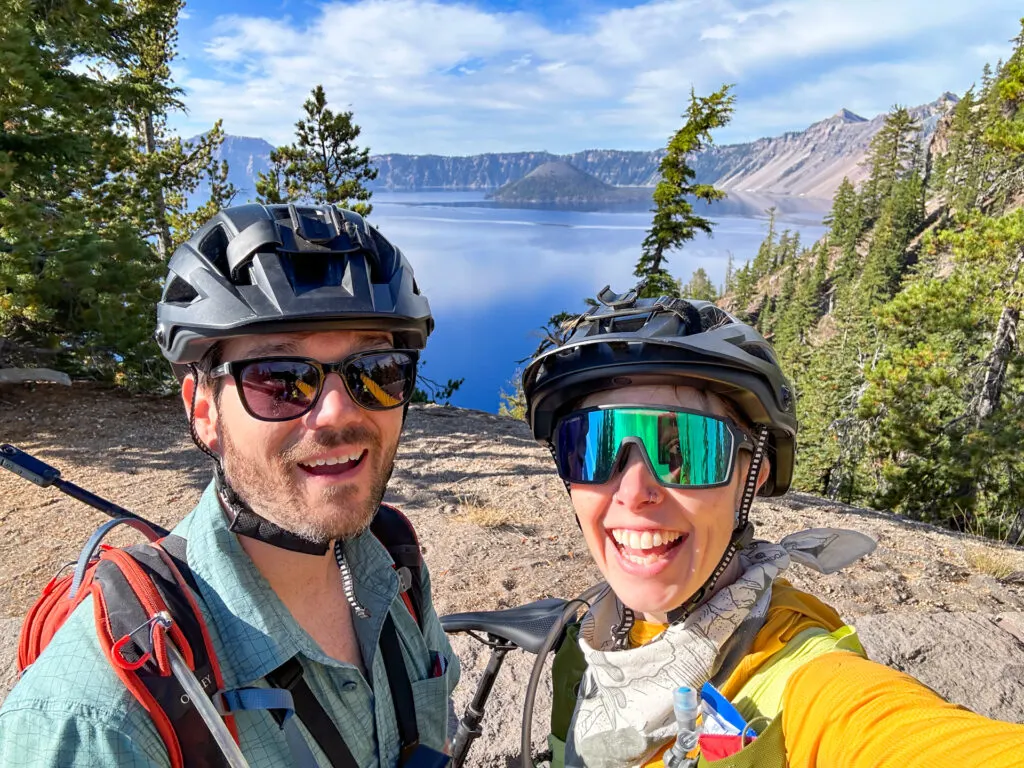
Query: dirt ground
point(493, 517)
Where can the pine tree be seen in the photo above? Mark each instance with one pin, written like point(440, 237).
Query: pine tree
point(744, 292)
point(221, 192)
point(766, 252)
point(1007, 132)
point(324, 165)
point(900, 217)
point(674, 222)
point(729, 283)
point(894, 153)
point(89, 188)
point(801, 310)
point(967, 165)
point(153, 189)
point(77, 283)
point(700, 287)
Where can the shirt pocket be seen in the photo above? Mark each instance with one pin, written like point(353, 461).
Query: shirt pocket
point(431, 699)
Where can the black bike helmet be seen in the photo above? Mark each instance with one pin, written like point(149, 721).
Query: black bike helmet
point(625, 340)
point(256, 269)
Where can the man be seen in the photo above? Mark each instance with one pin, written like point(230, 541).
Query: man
point(295, 332)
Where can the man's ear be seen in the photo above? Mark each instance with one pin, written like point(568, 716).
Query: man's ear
point(205, 415)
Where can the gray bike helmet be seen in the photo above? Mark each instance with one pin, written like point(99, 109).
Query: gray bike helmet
point(625, 340)
point(256, 269)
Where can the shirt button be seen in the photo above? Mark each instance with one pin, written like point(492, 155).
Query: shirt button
point(349, 685)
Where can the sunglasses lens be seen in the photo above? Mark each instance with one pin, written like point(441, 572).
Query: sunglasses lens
point(277, 390)
point(684, 449)
point(381, 380)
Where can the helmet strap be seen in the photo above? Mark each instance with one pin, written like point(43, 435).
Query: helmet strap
point(244, 521)
point(742, 534)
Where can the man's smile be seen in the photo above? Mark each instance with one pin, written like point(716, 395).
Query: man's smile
point(335, 466)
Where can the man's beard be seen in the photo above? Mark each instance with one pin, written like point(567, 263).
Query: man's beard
point(272, 490)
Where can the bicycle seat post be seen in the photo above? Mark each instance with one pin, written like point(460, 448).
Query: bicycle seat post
point(469, 726)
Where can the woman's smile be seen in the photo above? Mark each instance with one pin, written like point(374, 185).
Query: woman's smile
point(645, 552)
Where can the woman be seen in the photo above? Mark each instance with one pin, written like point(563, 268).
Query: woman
point(665, 417)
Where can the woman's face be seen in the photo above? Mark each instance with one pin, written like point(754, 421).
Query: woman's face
point(657, 545)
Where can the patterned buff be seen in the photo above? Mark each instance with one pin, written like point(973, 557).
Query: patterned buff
point(624, 713)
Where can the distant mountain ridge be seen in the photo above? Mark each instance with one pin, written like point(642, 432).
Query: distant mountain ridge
point(809, 163)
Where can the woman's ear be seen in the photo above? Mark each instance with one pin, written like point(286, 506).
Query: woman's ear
point(764, 473)
point(204, 417)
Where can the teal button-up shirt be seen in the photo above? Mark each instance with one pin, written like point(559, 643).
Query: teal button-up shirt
point(70, 709)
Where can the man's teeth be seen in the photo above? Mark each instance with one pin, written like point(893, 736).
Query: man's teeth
point(333, 460)
point(644, 539)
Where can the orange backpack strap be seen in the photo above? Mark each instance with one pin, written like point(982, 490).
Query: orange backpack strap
point(131, 588)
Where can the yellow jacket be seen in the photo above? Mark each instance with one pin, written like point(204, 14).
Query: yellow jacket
point(840, 710)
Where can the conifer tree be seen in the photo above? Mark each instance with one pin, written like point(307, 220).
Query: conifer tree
point(729, 283)
point(842, 221)
point(1007, 132)
point(153, 190)
point(766, 252)
point(76, 282)
point(699, 287)
point(894, 153)
point(675, 222)
point(901, 214)
point(745, 283)
point(87, 193)
point(324, 165)
point(802, 310)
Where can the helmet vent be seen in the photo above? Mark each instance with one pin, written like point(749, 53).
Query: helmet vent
point(382, 268)
point(307, 273)
point(760, 352)
point(179, 292)
point(711, 317)
point(215, 248)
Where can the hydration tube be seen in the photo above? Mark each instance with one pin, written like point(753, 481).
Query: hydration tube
point(554, 635)
point(206, 710)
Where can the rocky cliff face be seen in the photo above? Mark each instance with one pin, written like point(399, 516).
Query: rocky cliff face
point(810, 163)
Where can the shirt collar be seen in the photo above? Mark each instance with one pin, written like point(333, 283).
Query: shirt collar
point(257, 632)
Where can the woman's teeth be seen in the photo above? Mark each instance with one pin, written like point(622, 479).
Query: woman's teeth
point(645, 547)
point(644, 539)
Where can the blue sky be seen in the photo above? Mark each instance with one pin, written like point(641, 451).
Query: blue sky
point(426, 76)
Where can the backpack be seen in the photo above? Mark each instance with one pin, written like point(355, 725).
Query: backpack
point(143, 598)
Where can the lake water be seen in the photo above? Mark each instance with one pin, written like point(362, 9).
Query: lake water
point(494, 275)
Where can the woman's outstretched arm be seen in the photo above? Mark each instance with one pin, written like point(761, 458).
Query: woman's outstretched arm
point(843, 711)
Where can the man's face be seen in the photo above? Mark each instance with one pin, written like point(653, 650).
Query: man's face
point(281, 469)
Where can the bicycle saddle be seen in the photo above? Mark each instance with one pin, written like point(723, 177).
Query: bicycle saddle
point(525, 625)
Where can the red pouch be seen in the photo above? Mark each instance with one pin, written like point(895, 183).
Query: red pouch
point(717, 746)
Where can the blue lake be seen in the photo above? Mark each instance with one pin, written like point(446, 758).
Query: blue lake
point(494, 275)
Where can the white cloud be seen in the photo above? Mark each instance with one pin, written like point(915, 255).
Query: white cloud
point(423, 76)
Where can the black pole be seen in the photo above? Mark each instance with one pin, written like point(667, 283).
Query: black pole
point(42, 474)
point(469, 727)
point(98, 502)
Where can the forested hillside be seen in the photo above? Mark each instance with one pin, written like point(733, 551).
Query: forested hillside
point(900, 326)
